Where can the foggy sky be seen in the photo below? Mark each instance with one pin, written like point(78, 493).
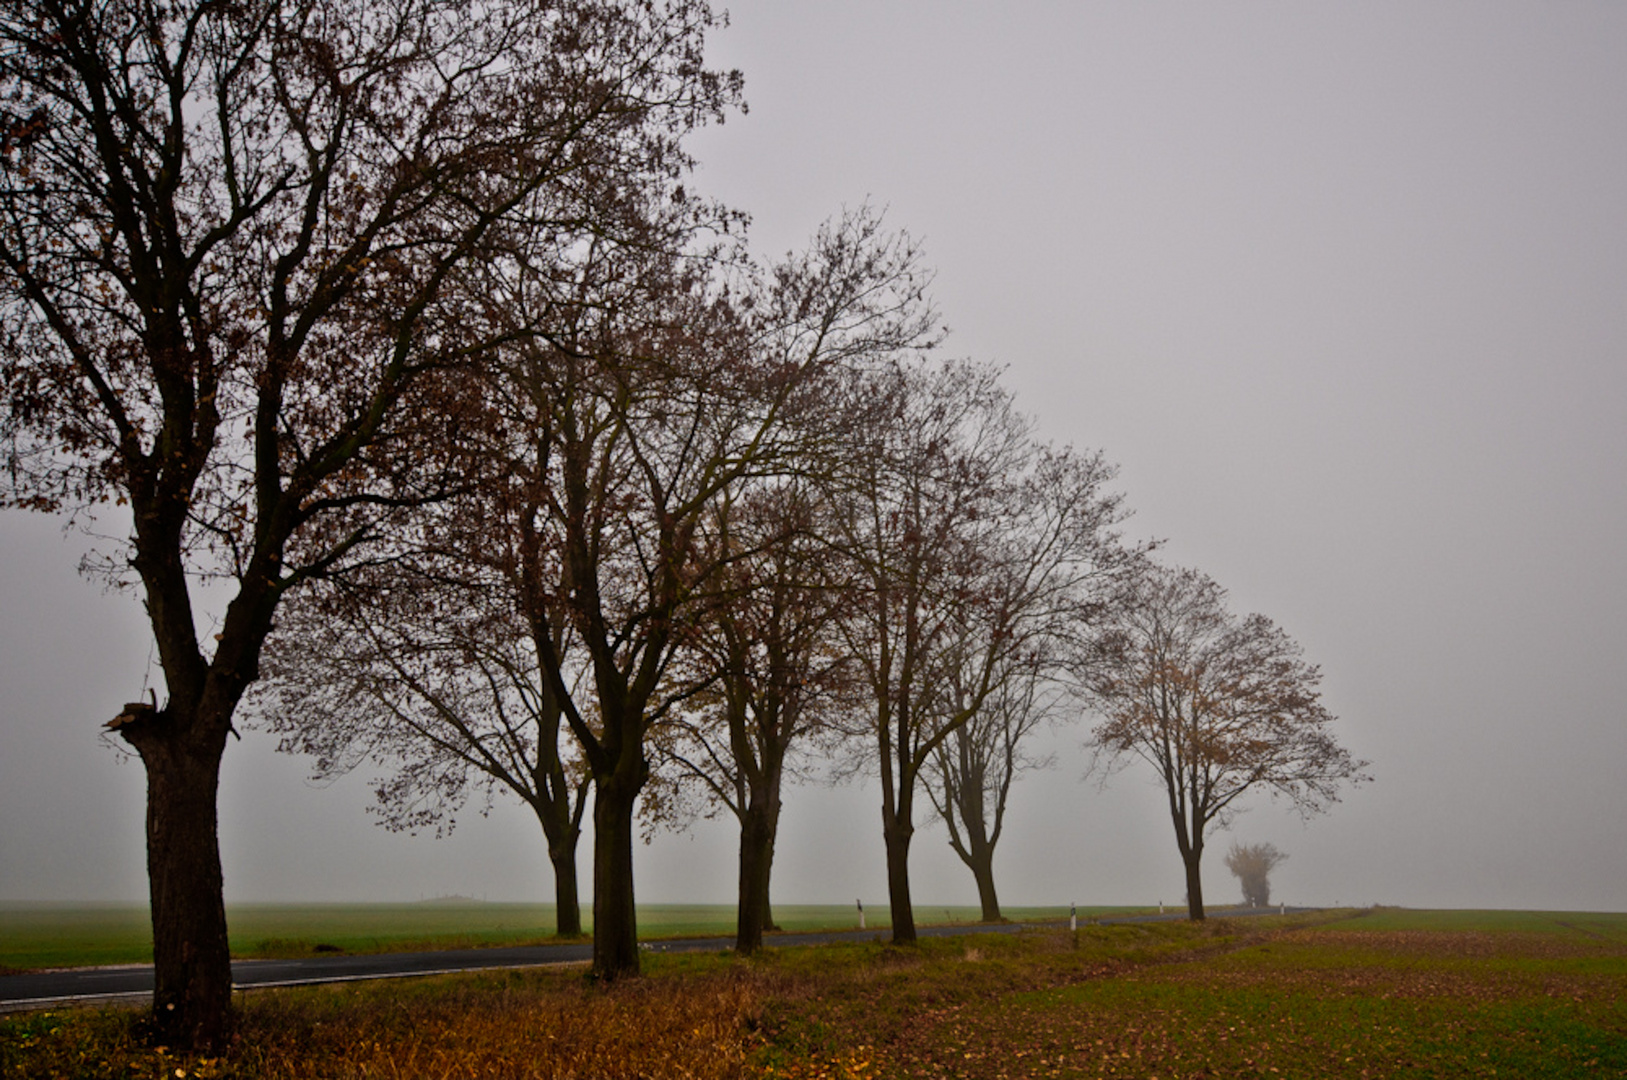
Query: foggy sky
point(1340, 288)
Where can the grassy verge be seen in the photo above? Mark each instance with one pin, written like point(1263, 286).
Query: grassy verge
point(1381, 995)
point(88, 934)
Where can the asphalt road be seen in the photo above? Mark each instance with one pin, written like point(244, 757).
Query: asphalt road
point(134, 982)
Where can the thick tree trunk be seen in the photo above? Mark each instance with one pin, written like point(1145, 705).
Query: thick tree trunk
point(192, 967)
point(567, 906)
point(1194, 885)
point(897, 834)
point(756, 859)
point(759, 826)
point(615, 926)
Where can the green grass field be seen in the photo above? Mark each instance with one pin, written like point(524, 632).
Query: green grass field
point(1386, 993)
point(1339, 995)
point(1568, 924)
point(71, 935)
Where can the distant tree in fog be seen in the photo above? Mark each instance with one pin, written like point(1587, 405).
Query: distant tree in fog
point(1253, 863)
point(1217, 705)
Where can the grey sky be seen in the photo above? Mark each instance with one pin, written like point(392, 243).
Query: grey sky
point(1340, 287)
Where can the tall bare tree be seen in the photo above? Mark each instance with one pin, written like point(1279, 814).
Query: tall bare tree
point(1219, 706)
point(1056, 562)
point(226, 234)
point(665, 391)
point(450, 659)
point(425, 664)
point(775, 679)
point(969, 775)
point(955, 572)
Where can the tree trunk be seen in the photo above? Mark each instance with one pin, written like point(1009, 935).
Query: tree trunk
point(615, 926)
point(983, 872)
point(759, 826)
point(773, 823)
point(976, 850)
point(897, 834)
point(768, 873)
point(563, 832)
point(1194, 884)
point(756, 858)
point(192, 964)
point(567, 908)
point(1190, 840)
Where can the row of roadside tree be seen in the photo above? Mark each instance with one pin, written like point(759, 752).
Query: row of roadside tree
point(397, 323)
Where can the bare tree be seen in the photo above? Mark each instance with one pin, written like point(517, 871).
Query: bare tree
point(1058, 560)
point(1253, 863)
point(226, 232)
point(1217, 705)
point(775, 676)
point(425, 664)
point(969, 775)
point(452, 659)
point(664, 391)
point(948, 586)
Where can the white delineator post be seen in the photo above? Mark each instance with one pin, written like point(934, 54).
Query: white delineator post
point(1073, 917)
point(860, 903)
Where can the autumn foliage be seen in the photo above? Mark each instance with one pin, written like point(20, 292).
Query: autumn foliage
point(1218, 705)
point(396, 322)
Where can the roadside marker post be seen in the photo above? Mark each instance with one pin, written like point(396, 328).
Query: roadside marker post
point(861, 913)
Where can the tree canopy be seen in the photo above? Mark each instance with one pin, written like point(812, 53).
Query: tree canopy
point(1217, 705)
point(231, 238)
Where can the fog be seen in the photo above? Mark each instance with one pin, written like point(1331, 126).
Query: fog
point(1339, 288)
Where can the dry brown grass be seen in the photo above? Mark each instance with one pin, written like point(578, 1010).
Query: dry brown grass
point(636, 1030)
point(523, 1025)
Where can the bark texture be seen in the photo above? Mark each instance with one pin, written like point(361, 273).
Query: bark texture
point(757, 828)
point(1189, 838)
point(983, 872)
point(1194, 888)
point(191, 960)
point(563, 837)
point(897, 831)
point(615, 923)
